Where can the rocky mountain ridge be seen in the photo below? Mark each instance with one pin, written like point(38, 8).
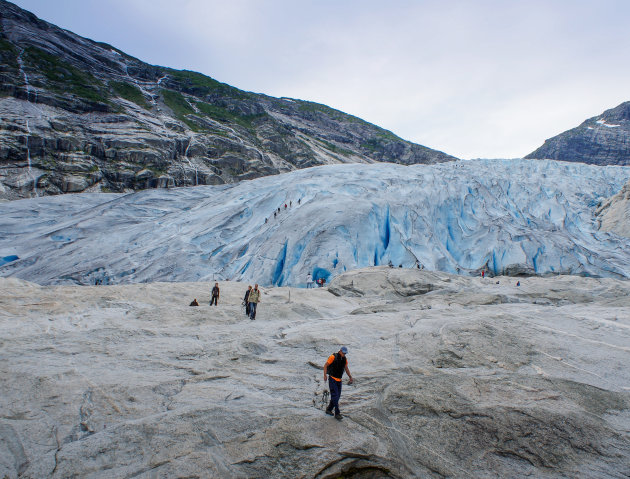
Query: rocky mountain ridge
point(601, 140)
point(78, 115)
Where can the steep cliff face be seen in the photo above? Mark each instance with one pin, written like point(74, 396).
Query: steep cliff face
point(78, 115)
point(601, 140)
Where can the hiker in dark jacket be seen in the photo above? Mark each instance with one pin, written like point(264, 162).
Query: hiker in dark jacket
point(246, 300)
point(335, 366)
point(215, 294)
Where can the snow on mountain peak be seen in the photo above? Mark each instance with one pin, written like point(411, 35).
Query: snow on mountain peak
point(609, 125)
point(510, 216)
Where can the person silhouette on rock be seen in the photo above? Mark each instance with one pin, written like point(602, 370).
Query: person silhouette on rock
point(246, 299)
point(215, 295)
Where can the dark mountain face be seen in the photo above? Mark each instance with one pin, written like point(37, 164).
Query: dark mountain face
point(601, 140)
point(78, 115)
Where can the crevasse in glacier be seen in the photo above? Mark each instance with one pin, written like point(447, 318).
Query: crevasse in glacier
point(509, 216)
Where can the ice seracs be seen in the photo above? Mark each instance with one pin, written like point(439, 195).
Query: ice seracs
point(507, 217)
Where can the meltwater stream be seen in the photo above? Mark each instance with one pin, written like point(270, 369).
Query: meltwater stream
point(20, 61)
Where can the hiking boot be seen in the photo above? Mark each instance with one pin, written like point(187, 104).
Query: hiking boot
point(329, 412)
point(338, 417)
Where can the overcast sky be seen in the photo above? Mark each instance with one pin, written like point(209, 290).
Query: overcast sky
point(473, 78)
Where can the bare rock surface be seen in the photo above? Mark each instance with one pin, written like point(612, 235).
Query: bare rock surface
point(454, 377)
point(614, 213)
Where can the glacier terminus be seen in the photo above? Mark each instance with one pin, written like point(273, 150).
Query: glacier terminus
point(512, 217)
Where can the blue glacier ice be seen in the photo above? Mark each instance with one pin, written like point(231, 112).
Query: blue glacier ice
point(509, 216)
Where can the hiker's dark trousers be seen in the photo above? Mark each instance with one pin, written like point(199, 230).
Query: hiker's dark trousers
point(252, 310)
point(215, 299)
point(335, 394)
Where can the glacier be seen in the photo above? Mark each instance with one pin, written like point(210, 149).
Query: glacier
point(514, 217)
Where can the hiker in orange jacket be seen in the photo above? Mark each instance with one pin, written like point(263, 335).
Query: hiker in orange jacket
point(334, 368)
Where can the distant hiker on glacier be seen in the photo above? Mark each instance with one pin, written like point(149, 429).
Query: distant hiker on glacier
point(215, 295)
point(335, 366)
point(253, 299)
point(309, 281)
point(246, 299)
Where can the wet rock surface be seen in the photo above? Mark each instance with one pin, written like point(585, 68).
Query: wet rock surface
point(454, 377)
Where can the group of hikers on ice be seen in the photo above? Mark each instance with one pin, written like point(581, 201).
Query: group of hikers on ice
point(277, 212)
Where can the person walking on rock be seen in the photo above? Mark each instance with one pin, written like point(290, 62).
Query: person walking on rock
point(335, 366)
point(215, 294)
point(246, 299)
point(254, 299)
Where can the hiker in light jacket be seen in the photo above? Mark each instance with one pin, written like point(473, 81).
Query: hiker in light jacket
point(254, 299)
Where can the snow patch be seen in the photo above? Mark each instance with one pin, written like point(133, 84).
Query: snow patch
point(609, 125)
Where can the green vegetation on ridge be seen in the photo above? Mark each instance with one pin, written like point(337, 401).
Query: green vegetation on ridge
point(129, 92)
point(201, 85)
point(8, 62)
point(224, 115)
point(6, 45)
point(334, 148)
point(311, 107)
point(180, 107)
point(176, 102)
point(65, 78)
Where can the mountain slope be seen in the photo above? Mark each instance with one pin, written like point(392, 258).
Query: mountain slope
point(78, 115)
point(516, 217)
point(601, 140)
